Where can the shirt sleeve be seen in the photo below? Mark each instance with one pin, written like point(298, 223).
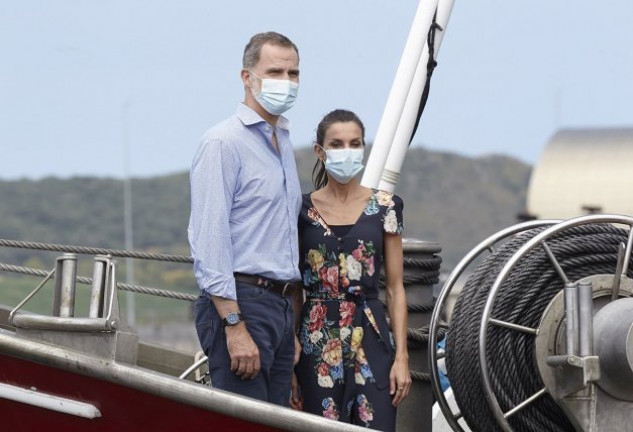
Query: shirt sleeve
point(214, 177)
point(393, 219)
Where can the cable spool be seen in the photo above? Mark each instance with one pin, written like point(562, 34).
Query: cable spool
point(525, 292)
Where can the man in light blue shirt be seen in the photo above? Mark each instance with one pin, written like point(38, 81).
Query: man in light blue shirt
point(245, 202)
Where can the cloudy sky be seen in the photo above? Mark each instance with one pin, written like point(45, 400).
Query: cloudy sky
point(100, 88)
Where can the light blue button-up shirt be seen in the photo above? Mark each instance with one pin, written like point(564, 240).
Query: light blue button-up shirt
point(245, 203)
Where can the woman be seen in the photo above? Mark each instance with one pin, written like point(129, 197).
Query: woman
point(351, 369)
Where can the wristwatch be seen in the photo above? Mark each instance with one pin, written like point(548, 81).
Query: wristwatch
point(232, 319)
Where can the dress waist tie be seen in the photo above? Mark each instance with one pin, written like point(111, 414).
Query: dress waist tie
point(356, 295)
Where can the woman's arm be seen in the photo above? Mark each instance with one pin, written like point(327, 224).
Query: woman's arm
point(296, 400)
point(298, 300)
point(400, 377)
point(298, 305)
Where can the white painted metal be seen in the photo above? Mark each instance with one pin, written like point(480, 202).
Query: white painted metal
point(54, 403)
point(398, 94)
point(583, 170)
point(400, 144)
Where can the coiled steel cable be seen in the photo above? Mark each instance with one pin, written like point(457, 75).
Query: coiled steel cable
point(581, 251)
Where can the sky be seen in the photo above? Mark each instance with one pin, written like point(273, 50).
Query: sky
point(126, 88)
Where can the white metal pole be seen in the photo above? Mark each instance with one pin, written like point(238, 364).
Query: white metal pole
point(398, 94)
point(402, 137)
point(127, 217)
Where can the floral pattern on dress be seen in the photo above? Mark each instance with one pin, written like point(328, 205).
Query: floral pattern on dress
point(372, 207)
point(370, 317)
point(362, 371)
point(385, 198)
point(391, 223)
point(365, 409)
point(322, 267)
point(330, 410)
point(378, 198)
point(318, 220)
point(324, 339)
point(325, 267)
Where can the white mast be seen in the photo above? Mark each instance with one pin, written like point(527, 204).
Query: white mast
point(399, 91)
point(400, 145)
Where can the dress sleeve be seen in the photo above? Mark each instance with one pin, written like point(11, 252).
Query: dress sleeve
point(393, 220)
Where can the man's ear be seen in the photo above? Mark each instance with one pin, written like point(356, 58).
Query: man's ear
point(246, 76)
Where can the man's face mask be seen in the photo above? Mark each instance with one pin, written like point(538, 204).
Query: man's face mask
point(276, 96)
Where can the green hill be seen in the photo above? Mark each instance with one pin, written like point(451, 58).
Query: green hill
point(454, 200)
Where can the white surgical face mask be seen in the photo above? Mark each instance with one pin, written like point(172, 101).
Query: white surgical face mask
point(344, 164)
point(276, 96)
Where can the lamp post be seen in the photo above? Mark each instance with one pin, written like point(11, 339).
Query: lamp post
point(127, 215)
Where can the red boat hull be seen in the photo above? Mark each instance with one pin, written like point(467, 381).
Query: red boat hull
point(122, 408)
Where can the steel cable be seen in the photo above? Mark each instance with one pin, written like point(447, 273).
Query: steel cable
point(94, 251)
point(533, 282)
point(88, 281)
point(422, 271)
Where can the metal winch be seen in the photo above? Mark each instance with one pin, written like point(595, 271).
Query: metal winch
point(540, 337)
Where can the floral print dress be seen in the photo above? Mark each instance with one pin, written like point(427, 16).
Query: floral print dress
point(347, 348)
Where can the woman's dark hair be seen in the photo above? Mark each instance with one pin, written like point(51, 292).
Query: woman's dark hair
point(319, 176)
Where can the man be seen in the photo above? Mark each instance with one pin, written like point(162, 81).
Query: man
point(245, 202)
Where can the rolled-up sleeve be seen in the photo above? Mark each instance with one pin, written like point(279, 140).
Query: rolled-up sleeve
point(214, 176)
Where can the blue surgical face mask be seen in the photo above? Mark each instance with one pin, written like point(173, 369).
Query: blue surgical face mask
point(344, 164)
point(276, 96)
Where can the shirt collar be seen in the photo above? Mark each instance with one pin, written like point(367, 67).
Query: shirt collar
point(249, 116)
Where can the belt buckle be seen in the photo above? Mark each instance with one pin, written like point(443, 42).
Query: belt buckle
point(286, 286)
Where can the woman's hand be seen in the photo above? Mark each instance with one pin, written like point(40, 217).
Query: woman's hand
point(399, 377)
point(296, 400)
point(297, 349)
point(399, 380)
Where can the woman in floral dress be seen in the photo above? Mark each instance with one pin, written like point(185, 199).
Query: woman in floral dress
point(351, 368)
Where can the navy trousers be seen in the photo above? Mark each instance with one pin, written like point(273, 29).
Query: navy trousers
point(269, 319)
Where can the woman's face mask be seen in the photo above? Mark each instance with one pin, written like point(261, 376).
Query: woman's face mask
point(344, 164)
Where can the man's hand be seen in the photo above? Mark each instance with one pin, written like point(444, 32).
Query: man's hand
point(243, 351)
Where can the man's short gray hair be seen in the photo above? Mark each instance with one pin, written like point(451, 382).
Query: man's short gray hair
point(253, 48)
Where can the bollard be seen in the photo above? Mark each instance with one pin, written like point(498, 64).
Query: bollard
point(421, 272)
point(97, 296)
point(65, 274)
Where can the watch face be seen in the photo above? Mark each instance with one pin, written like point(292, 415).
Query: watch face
point(232, 318)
